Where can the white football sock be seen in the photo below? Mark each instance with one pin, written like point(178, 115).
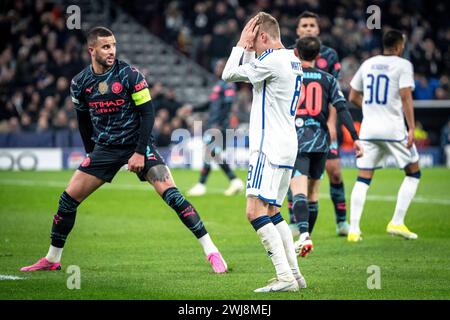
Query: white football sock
point(271, 240)
point(405, 195)
point(54, 254)
point(207, 244)
point(358, 199)
point(303, 236)
point(289, 249)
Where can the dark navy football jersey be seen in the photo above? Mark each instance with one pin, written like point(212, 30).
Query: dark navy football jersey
point(220, 101)
point(328, 61)
point(112, 99)
point(319, 89)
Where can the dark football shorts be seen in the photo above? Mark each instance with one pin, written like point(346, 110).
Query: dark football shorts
point(105, 161)
point(311, 165)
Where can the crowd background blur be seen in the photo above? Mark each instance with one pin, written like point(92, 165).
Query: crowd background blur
point(39, 55)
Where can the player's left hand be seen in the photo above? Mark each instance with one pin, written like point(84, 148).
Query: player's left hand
point(136, 162)
point(359, 150)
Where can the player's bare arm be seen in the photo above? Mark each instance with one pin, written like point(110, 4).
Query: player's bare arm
point(356, 97)
point(408, 110)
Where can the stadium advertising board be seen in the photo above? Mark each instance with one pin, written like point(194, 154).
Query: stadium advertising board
point(30, 159)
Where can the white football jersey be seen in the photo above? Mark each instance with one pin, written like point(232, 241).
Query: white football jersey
point(276, 76)
point(380, 78)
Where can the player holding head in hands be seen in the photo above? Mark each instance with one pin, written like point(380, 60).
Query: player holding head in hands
point(319, 90)
point(276, 77)
point(383, 87)
point(115, 117)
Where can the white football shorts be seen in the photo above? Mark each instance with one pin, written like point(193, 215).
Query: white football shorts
point(376, 152)
point(268, 182)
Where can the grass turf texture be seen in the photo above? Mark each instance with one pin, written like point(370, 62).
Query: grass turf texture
point(130, 245)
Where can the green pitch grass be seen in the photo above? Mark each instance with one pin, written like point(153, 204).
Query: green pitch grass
point(129, 245)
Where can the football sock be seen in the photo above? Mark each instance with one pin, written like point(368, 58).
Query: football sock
point(405, 195)
point(313, 208)
point(54, 254)
point(288, 243)
point(291, 212)
point(337, 194)
point(205, 173)
point(358, 198)
point(301, 213)
point(207, 244)
point(63, 220)
point(226, 168)
point(186, 212)
point(271, 240)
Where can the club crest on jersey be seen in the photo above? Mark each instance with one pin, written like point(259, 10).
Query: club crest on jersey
point(117, 87)
point(299, 122)
point(103, 87)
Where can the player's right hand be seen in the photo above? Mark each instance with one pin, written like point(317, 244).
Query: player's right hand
point(136, 162)
point(410, 141)
point(359, 150)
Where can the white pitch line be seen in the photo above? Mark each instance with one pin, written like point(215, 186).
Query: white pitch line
point(144, 186)
point(8, 277)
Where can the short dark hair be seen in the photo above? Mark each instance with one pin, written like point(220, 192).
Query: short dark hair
point(96, 32)
point(308, 48)
point(308, 14)
point(391, 38)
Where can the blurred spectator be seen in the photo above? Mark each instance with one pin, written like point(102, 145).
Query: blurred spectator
point(61, 121)
point(420, 136)
point(443, 92)
point(170, 102)
point(425, 87)
point(220, 45)
point(174, 21)
point(163, 139)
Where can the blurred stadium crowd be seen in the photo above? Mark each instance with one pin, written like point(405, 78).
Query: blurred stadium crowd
point(207, 30)
point(39, 55)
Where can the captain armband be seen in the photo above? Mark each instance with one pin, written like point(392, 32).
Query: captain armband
point(141, 97)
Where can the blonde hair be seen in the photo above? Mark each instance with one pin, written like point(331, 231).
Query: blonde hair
point(268, 24)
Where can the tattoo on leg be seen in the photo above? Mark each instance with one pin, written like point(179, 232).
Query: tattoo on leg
point(159, 173)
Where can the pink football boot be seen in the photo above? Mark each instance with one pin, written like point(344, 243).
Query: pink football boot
point(42, 265)
point(217, 262)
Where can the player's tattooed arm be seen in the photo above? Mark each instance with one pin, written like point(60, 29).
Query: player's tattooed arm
point(159, 173)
